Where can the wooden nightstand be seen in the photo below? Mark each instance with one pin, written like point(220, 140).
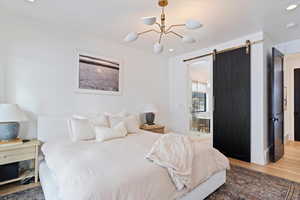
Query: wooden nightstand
point(154, 128)
point(17, 153)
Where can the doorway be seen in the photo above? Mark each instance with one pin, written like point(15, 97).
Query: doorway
point(292, 97)
point(200, 97)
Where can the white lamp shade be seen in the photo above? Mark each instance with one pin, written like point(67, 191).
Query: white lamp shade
point(131, 37)
point(149, 108)
point(11, 113)
point(158, 48)
point(188, 39)
point(192, 24)
point(149, 20)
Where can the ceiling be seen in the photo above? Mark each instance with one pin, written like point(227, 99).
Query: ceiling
point(223, 19)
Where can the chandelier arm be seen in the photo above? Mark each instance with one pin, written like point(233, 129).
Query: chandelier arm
point(158, 24)
point(160, 37)
point(175, 25)
point(147, 31)
point(174, 33)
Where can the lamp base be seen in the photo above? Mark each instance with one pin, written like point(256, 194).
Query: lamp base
point(150, 118)
point(9, 130)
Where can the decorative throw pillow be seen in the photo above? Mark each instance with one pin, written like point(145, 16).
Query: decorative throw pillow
point(100, 120)
point(114, 120)
point(121, 129)
point(104, 133)
point(80, 129)
point(121, 114)
point(131, 122)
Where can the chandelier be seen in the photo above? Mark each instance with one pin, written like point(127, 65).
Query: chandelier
point(164, 30)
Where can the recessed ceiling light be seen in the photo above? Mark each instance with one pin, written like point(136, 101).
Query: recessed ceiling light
point(291, 25)
point(292, 7)
point(30, 1)
point(171, 50)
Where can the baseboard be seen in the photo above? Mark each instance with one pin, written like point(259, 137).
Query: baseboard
point(286, 139)
point(267, 155)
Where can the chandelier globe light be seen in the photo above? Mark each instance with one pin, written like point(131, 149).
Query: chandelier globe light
point(149, 20)
point(133, 36)
point(158, 48)
point(163, 30)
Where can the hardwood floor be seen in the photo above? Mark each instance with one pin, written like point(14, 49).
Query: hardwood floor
point(288, 167)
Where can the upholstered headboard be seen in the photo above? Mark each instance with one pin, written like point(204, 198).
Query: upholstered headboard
point(52, 128)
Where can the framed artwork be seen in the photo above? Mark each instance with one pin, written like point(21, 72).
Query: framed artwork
point(98, 75)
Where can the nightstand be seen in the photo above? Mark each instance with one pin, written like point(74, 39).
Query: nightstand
point(153, 128)
point(21, 152)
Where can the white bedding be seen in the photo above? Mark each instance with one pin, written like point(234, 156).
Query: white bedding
point(117, 170)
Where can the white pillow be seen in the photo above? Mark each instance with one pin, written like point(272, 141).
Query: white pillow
point(80, 129)
point(104, 133)
point(100, 120)
point(110, 115)
point(131, 122)
point(95, 120)
point(121, 129)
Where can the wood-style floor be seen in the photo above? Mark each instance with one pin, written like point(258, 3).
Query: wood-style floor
point(288, 167)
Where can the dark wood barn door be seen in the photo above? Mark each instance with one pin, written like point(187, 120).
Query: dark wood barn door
point(232, 103)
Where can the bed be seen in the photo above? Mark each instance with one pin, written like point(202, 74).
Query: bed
point(146, 182)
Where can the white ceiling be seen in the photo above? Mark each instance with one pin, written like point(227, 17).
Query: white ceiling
point(223, 19)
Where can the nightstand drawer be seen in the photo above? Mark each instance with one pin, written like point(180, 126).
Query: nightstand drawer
point(17, 155)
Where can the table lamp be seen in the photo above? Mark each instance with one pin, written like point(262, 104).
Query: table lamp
point(10, 116)
point(150, 110)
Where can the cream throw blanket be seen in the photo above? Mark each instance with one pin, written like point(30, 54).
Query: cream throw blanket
point(175, 153)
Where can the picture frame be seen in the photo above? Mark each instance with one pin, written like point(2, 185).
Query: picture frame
point(98, 75)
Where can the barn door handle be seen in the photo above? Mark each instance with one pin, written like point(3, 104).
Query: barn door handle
point(274, 119)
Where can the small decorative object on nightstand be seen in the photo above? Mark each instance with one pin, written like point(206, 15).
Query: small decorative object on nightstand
point(10, 116)
point(153, 128)
point(9, 154)
point(149, 110)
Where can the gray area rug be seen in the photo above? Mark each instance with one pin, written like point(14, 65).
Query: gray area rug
point(242, 184)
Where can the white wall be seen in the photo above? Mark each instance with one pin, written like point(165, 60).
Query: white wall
point(178, 93)
point(2, 82)
point(290, 47)
point(267, 45)
point(291, 62)
point(2, 72)
point(41, 65)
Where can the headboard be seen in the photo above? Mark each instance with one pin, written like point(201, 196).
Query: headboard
point(52, 128)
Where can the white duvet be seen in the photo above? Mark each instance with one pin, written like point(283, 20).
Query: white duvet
point(118, 170)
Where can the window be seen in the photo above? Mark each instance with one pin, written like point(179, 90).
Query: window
point(199, 103)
